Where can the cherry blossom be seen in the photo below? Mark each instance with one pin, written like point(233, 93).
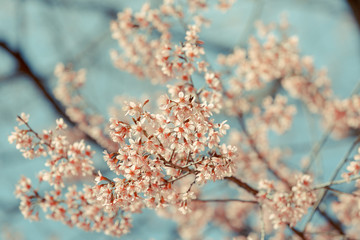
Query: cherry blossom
point(212, 126)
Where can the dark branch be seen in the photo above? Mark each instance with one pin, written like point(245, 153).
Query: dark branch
point(355, 7)
point(24, 68)
point(334, 223)
point(243, 185)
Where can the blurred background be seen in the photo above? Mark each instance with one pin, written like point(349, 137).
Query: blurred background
point(35, 35)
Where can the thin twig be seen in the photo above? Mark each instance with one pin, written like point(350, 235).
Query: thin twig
point(337, 170)
point(182, 176)
point(342, 192)
point(254, 192)
point(332, 183)
point(262, 231)
point(255, 14)
point(319, 145)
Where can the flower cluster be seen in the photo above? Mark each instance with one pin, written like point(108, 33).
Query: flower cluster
point(67, 92)
point(157, 150)
point(353, 168)
point(277, 115)
point(72, 207)
point(158, 59)
point(347, 208)
point(66, 162)
point(287, 207)
point(133, 33)
point(343, 116)
point(275, 63)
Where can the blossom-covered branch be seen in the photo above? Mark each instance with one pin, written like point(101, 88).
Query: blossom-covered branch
point(163, 152)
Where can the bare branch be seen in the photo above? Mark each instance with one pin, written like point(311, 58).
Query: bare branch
point(337, 170)
point(24, 68)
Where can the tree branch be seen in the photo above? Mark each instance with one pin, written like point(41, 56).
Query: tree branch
point(243, 185)
point(256, 150)
point(355, 7)
point(337, 170)
point(24, 68)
